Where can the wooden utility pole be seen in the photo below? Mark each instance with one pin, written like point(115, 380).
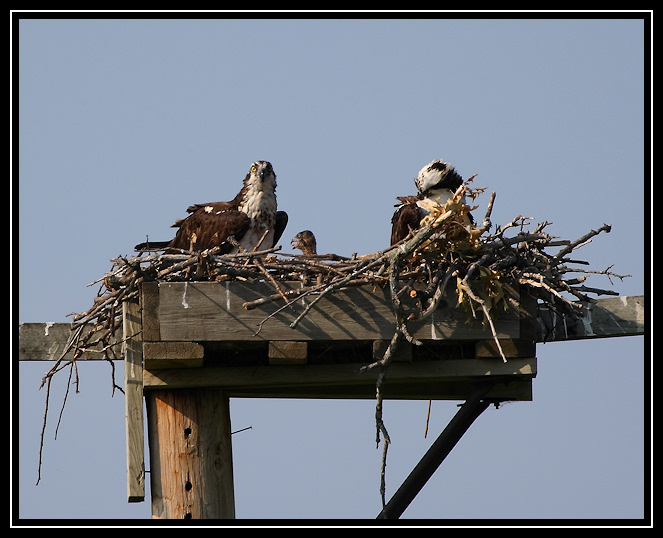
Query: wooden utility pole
point(191, 472)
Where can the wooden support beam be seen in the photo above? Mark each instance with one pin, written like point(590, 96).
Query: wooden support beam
point(133, 401)
point(606, 318)
point(46, 341)
point(434, 379)
point(173, 355)
point(287, 352)
point(191, 474)
point(485, 349)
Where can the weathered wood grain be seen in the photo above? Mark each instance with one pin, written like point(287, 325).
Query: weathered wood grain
point(149, 302)
point(287, 352)
point(191, 474)
point(46, 341)
point(172, 355)
point(210, 311)
point(133, 401)
point(607, 318)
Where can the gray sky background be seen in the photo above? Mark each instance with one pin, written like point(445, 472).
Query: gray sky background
point(123, 123)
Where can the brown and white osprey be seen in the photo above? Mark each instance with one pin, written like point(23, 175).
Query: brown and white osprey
point(436, 183)
point(247, 218)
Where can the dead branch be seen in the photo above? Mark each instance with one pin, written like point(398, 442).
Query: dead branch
point(583, 240)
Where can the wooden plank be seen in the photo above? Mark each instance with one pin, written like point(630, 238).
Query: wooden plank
point(607, 317)
point(211, 311)
point(173, 355)
point(287, 352)
point(133, 397)
point(191, 473)
point(46, 341)
point(528, 319)
point(505, 390)
point(485, 349)
point(150, 305)
point(441, 379)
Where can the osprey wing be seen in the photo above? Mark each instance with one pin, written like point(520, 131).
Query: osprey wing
point(210, 226)
point(407, 217)
point(212, 206)
point(281, 222)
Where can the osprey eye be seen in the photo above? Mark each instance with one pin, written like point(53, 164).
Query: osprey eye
point(253, 169)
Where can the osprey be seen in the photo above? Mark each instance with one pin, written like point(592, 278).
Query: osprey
point(436, 183)
point(250, 218)
point(305, 241)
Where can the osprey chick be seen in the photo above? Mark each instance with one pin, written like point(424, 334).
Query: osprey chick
point(247, 218)
point(305, 241)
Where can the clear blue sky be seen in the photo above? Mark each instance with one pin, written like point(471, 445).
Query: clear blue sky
point(123, 123)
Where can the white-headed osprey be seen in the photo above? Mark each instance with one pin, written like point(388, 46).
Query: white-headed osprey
point(247, 218)
point(436, 183)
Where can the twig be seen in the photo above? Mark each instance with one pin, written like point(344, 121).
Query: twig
point(334, 286)
point(427, 419)
point(583, 240)
point(485, 225)
point(269, 277)
point(43, 427)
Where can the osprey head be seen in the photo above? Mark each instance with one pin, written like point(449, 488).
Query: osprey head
point(437, 175)
point(305, 241)
point(261, 173)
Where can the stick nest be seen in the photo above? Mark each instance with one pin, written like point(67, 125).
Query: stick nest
point(448, 253)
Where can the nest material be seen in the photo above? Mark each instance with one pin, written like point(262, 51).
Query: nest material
point(448, 253)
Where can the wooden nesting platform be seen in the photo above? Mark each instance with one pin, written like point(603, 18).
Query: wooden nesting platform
point(201, 335)
point(198, 336)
